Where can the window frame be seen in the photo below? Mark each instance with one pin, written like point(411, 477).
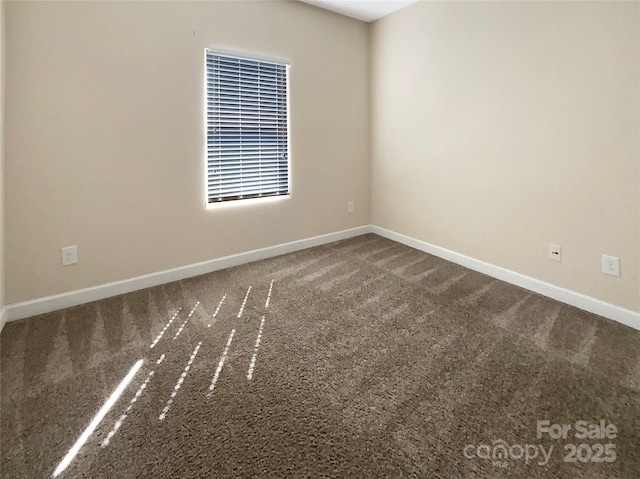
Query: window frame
point(250, 199)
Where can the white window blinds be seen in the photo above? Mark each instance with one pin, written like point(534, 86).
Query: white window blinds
point(247, 130)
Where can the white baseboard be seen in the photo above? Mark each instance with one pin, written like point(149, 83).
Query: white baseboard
point(47, 304)
point(587, 303)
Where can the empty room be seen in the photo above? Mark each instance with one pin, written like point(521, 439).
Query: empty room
point(347, 238)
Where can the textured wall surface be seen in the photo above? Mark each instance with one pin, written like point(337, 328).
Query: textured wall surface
point(501, 127)
point(105, 136)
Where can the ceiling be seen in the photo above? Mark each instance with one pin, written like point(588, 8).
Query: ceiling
point(365, 10)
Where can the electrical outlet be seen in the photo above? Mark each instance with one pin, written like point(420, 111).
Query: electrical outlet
point(69, 255)
point(611, 265)
point(350, 207)
point(554, 252)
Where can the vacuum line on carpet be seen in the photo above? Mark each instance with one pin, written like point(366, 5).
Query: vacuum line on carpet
point(318, 274)
point(217, 309)
point(445, 285)
point(155, 341)
point(330, 283)
point(389, 259)
point(134, 399)
point(185, 321)
point(420, 276)
point(244, 302)
point(402, 268)
point(252, 364)
point(97, 419)
point(357, 288)
point(375, 251)
point(164, 412)
point(221, 362)
point(359, 244)
point(266, 304)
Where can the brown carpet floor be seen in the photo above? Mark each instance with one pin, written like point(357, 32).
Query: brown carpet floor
point(374, 360)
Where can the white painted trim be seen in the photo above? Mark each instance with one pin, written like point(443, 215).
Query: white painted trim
point(587, 303)
point(47, 304)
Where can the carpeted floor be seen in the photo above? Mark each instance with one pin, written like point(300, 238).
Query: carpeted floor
point(361, 358)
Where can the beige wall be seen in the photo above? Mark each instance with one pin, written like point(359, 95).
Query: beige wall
point(2, 58)
point(500, 127)
point(496, 128)
point(104, 135)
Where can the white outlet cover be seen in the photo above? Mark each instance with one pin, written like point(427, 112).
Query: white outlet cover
point(555, 252)
point(611, 265)
point(69, 255)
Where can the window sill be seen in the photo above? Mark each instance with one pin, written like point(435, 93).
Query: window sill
point(247, 202)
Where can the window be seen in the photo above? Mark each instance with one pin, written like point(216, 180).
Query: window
point(247, 128)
